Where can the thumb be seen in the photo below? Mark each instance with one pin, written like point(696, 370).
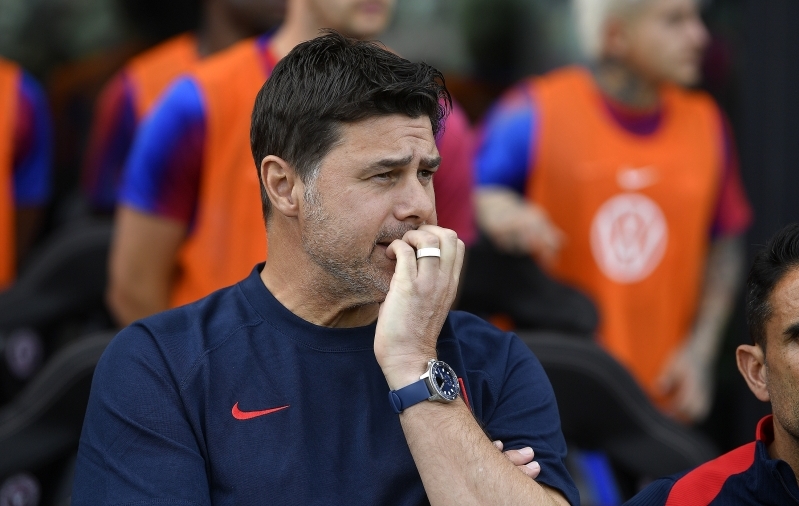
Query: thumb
point(668, 377)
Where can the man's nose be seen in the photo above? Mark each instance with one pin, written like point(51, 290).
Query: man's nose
point(698, 33)
point(415, 202)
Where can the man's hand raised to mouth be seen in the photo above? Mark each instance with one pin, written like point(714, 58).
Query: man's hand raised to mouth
point(418, 301)
point(458, 464)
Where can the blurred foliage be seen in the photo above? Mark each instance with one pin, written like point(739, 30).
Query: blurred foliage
point(42, 34)
point(510, 39)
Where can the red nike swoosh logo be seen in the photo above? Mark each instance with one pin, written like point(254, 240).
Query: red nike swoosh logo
point(246, 415)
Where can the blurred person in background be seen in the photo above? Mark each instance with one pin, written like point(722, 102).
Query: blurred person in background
point(185, 224)
point(25, 165)
point(766, 471)
point(130, 95)
point(625, 184)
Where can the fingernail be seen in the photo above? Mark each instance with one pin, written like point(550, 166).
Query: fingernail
point(526, 451)
point(533, 466)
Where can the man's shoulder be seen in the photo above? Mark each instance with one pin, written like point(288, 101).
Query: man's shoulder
point(562, 80)
point(701, 485)
point(217, 68)
point(179, 47)
point(692, 102)
point(184, 335)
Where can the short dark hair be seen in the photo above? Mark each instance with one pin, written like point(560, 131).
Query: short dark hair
point(332, 80)
point(771, 264)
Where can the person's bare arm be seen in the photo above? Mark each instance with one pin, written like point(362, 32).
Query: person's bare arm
point(28, 220)
point(516, 225)
point(688, 375)
point(142, 263)
point(458, 464)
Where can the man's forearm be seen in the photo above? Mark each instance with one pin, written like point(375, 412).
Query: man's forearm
point(495, 207)
point(722, 280)
point(459, 465)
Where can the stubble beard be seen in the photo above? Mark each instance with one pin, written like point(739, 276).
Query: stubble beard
point(785, 405)
point(352, 275)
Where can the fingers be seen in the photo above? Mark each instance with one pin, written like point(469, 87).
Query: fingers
point(667, 380)
point(431, 236)
point(522, 459)
point(405, 256)
point(692, 400)
point(533, 469)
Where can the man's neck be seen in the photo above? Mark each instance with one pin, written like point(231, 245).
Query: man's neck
point(219, 29)
point(299, 25)
point(625, 86)
point(305, 291)
point(785, 447)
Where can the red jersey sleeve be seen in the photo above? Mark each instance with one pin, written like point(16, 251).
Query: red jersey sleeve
point(733, 211)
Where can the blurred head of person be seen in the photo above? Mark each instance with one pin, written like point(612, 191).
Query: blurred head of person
point(256, 15)
point(659, 40)
point(360, 19)
point(770, 365)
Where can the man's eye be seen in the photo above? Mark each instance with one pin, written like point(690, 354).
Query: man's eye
point(426, 174)
point(383, 176)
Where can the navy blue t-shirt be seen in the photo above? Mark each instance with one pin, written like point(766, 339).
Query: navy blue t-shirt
point(235, 400)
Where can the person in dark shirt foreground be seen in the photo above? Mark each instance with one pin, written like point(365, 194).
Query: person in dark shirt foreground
point(766, 471)
point(335, 373)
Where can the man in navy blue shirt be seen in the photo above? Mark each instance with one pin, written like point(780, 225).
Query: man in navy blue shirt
point(766, 471)
point(333, 374)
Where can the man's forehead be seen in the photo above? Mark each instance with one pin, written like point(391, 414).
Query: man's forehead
point(784, 302)
point(394, 136)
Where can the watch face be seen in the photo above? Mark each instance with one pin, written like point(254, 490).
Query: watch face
point(445, 381)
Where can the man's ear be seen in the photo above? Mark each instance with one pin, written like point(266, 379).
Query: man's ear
point(752, 364)
point(279, 181)
point(614, 39)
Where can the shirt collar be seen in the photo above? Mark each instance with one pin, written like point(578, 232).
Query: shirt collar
point(768, 469)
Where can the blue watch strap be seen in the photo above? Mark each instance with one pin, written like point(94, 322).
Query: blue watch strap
point(407, 396)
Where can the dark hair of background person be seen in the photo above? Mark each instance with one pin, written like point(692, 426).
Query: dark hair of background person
point(332, 80)
point(156, 20)
point(769, 267)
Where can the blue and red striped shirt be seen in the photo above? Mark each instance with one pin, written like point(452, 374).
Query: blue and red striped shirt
point(507, 150)
point(162, 174)
point(33, 145)
point(746, 475)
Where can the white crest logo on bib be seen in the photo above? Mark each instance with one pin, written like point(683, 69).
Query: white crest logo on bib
point(628, 237)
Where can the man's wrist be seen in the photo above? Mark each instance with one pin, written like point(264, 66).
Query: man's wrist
point(406, 372)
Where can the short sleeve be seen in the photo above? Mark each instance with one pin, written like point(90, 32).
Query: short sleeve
point(112, 130)
point(733, 213)
point(505, 146)
point(33, 146)
point(454, 181)
point(526, 414)
point(162, 175)
point(137, 445)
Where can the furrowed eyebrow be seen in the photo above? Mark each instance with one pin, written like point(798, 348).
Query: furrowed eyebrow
point(390, 163)
point(430, 163)
point(792, 330)
point(393, 163)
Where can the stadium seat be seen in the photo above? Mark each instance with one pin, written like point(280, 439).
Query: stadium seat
point(43, 422)
point(602, 407)
point(65, 278)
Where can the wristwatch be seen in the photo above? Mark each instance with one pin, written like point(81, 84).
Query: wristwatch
point(438, 383)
